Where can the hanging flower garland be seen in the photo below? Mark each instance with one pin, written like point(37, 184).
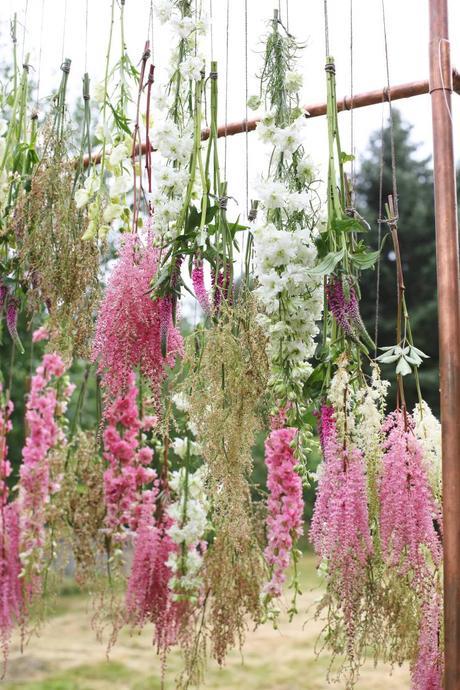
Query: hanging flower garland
point(378, 534)
point(46, 405)
point(10, 564)
point(284, 237)
point(167, 468)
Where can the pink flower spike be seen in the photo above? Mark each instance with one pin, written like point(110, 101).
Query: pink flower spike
point(340, 525)
point(285, 505)
point(408, 510)
point(199, 287)
point(130, 324)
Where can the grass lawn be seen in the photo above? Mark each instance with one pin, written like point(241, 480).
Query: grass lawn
point(67, 656)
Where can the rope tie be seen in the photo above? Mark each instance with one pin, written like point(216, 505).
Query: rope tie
point(252, 215)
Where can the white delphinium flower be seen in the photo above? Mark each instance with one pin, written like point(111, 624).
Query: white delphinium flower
point(293, 81)
point(428, 432)
point(191, 68)
point(272, 194)
point(102, 131)
point(288, 139)
point(3, 126)
point(189, 515)
point(120, 184)
point(182, 445)
point(164, 10)
point(202, 25)
point(92, 183)
point(99, 92)
point(118, 154)
point(285, 288)
point(112, 212)
point(296, 201)
point(183, 26)
point(161, 100)
point(181, 401)
point(266, 129)
point(81, 197)
point(166, 212)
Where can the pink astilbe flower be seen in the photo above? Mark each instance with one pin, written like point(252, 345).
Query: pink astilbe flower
point(285, 505)
point(40, 334)
point(340, 527)
point(199, 287)
point(11, 598)
point(427, 671)
point(130, 323)
point(149, 597)
point(128, 463)
point(35, 485)
point(407, 506)
point(10, 564)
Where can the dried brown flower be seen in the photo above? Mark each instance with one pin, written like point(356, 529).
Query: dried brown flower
point(59, 268)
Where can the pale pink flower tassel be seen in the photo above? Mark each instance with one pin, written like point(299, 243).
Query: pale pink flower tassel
point(149, 597)
point(35, 486)
point(128, 464)
point(10, 564)
point(408, 510)
point(427, 671)
point(130, 324)
point(340, 526)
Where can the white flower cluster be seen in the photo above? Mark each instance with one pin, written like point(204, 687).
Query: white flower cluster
point(369, 413)
point(285, 140)
point(106, 200)
point(189, 515)
point(3, 173)
point(428, 432)
point(291, 297)
point(174, 140)
point(285, 250)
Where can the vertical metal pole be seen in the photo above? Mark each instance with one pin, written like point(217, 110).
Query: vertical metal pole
point(447, 259)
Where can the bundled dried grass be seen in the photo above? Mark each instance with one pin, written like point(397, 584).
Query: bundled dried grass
point(226, 389)
point(59, 268)
point(82, 506)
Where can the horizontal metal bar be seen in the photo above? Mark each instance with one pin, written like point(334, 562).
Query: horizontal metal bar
point(362, 100)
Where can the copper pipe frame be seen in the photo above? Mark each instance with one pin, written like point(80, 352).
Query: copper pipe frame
point(362, 100)
point(447, 262)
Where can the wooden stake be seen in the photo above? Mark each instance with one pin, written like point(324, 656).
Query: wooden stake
point(447, 260)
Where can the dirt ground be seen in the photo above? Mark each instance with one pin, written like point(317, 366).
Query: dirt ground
point(66, 656)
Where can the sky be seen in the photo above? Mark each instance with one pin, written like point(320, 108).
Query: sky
point(52, 29)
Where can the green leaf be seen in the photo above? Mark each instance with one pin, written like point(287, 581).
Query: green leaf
point(314, 384)
point(346, 157)
point(348, 225)
point(364, 260)
point(327, 264)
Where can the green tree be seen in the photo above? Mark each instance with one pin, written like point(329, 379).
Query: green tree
point(417, 242)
